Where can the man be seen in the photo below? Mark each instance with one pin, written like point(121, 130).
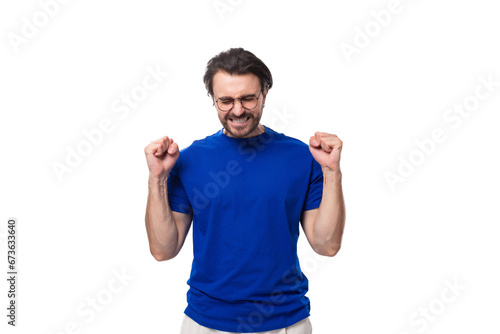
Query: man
point(245, 188)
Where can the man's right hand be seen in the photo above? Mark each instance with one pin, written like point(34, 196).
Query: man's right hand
point(161, 156)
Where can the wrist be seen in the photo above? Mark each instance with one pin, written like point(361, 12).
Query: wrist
point(333, 174)
point(159, 180)
point(331, 170)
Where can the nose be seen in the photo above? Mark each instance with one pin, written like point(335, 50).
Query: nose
point(238, 108)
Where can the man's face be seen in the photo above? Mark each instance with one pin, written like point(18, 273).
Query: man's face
point(239, 122)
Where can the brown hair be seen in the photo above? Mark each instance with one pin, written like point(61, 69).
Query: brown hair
point(237, 61)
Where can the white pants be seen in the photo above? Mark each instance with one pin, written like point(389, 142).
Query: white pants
point(189, 326)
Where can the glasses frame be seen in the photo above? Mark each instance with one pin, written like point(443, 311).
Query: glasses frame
point(258, 96)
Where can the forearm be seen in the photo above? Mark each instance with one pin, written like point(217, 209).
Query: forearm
point(162, 231)
point(330, 219)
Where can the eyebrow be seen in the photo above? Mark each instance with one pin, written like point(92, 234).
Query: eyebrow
point(241, 97)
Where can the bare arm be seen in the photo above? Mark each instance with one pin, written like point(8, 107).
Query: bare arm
point(166, 229)
point(324, 226)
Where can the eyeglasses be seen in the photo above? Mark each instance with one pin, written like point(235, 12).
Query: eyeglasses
point(248, 102)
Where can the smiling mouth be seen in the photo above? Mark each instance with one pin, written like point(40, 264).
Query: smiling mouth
point(240, 120)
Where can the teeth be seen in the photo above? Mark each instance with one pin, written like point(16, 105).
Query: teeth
point(239, 120)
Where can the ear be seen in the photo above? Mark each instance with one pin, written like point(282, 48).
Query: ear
point(265, 94)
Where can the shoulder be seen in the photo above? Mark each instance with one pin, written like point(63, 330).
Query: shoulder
point(199, 145)
point(290, 142)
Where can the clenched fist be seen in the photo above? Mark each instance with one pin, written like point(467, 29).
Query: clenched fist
point(161, 156)
point(325, 149)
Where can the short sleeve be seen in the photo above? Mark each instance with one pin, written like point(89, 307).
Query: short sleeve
point(177, 197)
point(315, 187)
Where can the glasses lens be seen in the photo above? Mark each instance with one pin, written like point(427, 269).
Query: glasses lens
point(249, 102)
point(225, 105)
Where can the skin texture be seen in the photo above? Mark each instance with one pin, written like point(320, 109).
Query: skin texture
point(167, 230)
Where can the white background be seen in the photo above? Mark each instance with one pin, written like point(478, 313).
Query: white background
point(401, 246)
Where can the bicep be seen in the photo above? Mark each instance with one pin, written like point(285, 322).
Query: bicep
point(183, 224)
point(307, 219)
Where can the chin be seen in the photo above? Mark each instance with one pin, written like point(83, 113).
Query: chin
point(236, 132)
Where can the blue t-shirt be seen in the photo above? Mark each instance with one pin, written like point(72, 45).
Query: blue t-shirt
point(246, 196)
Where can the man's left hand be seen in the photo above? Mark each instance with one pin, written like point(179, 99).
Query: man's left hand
point(325, 149)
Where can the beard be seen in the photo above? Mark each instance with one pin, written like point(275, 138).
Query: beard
point(241, 131)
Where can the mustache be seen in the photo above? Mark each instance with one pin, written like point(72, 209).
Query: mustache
point(241, 116)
